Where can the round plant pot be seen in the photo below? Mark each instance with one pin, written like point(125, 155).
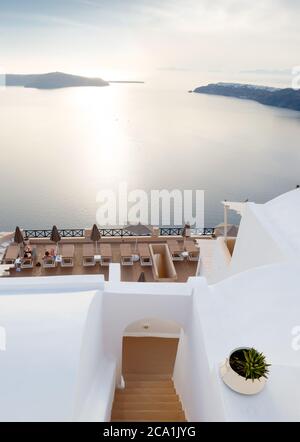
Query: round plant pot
point(237, 382)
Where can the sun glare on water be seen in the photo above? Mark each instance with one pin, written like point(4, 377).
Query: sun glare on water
point(105, 139)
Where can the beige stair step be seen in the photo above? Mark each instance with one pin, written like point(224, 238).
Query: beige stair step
point(149, 384)
point(146, 397)
point(148, 414)
point(144, 390)
point(146, 377)
point(157, 405)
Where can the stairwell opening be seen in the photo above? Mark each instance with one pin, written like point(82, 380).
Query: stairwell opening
point(148, 357)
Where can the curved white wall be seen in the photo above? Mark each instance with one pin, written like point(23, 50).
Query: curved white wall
point(153, 327)
point(254, 245)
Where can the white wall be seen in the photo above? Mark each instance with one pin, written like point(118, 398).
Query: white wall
point(121, 310)
point(156, 327)
point(221, 260)
point(258, 308)
point(194, 381)
point(96, 374)
point(254, 246)
point(38, 368)
point(45, 319)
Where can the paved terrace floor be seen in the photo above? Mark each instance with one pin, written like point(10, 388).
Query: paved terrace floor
point(184, 269)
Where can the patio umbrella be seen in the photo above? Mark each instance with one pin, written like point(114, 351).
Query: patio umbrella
point(138, 230)
point(18, 238)
point(95, 235)
point(232, 230)
point(142, 277)
point(55, 236)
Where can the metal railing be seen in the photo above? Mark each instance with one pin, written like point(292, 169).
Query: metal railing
point(64, 233)
point(109, 232)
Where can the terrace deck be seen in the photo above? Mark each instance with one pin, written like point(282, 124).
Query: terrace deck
point(184, 269)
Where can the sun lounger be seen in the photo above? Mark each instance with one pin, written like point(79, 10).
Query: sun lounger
point(67, 255)
point(106, 254)
point(49, 262)
point(175, 250)
point(192, 250)
point(88, 255)
point(145, 256)
point(27, 263)
point(12, 253)
point(126, 255)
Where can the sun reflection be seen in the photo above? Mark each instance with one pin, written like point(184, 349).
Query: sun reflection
point(105, 135)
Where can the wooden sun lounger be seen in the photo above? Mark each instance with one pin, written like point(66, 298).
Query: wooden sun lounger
point(12, 253)
point(175, 250)
point(88, 255)
point(67, 255)
point(27, 263)
point(126, 255)
point(49, 262)
point(106, 254)
point(192, 250)
point(145, 255)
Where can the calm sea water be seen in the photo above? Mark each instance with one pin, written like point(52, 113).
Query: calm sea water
point(59, 148)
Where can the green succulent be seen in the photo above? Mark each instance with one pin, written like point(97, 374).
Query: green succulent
point(250, 364)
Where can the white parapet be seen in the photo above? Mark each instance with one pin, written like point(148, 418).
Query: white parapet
point(114, 272)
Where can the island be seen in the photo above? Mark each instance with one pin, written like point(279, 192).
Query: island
point(56, 80)
point(287, 98)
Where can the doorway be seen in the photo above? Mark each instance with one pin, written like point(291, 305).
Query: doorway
point(149, 355)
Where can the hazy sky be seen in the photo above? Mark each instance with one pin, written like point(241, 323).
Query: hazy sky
point(139, 36)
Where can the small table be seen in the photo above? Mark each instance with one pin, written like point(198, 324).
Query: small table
point(184, 254)
point(58, 258)
point(97, 258)
point(135, 258)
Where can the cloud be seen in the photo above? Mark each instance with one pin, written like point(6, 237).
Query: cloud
point(173, 34)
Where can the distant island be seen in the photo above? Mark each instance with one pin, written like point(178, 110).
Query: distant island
point(284, 98)
point(56, 80)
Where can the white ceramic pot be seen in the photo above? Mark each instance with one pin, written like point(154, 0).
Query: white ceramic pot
point(238, 383)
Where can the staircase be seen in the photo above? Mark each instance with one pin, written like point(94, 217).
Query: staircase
point(146, 398)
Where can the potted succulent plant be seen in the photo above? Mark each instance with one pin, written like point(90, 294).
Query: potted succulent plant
point(245, 371)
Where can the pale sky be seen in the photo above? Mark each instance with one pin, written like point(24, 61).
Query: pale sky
point(98, 37)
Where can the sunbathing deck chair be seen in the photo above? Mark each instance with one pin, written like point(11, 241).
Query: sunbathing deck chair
point(27, 263)
point(192, 250)
point(175, 250)
point(145, 256)
point(67, 255)
point(12, 253)
point(88, 255)
point(126, 255)
point(106, 254)
point(49, 262)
